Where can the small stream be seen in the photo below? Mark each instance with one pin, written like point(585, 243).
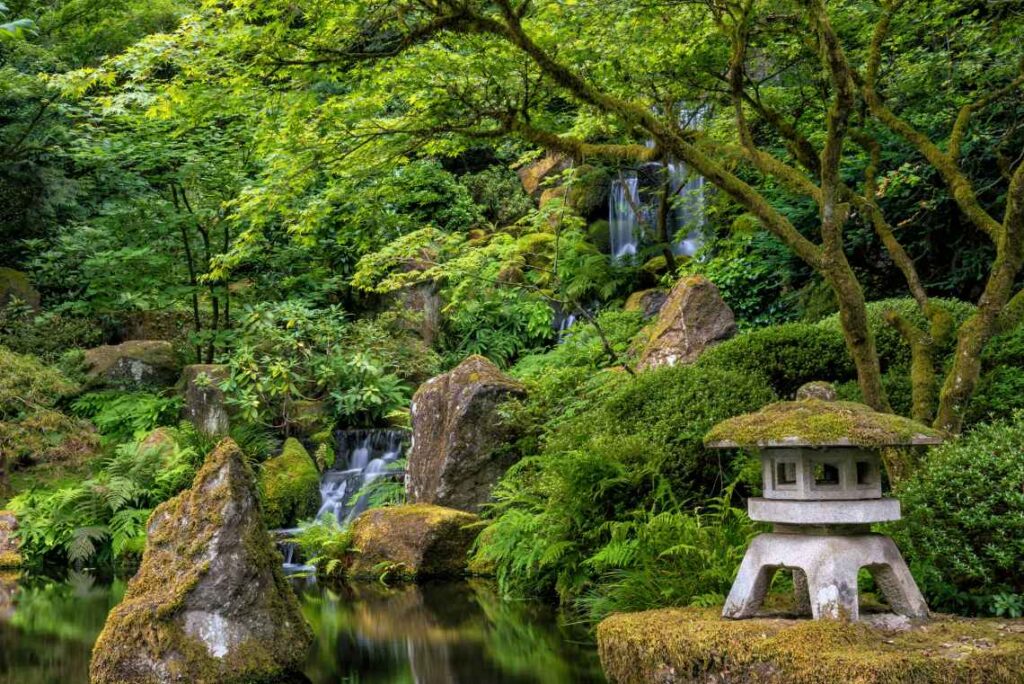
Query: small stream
point(443, 633)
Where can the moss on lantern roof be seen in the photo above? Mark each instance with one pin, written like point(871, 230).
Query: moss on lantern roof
point(814, 422)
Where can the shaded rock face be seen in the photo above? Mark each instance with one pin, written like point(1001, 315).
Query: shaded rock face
point(205, 406)
point(10, 556)
point(693, 318)
point(533, 175)
point(133, 364)
point(413, 542)
point(424, 300)
point(210, 603)
point(648, 302)
point(457, 434)
point(14, 285)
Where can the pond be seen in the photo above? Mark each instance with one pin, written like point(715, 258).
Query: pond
point(458, 632)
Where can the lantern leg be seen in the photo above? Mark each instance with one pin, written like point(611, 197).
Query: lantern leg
point(801, 594)
point(752, 582)
point(896, 583)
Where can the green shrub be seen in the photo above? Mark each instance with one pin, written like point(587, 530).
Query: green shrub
point(1000, 389)
point(104, 517)
point(892, 349)
point(123, 416)
point(963, 526)
point(289, 485)
point(788, 355)
point(27, 385)
point(624, 452)
point(582, 347)
point(48, 335)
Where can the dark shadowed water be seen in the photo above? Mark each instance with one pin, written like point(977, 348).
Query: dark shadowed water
point(458, 633)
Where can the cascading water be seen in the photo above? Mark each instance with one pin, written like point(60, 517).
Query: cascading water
point(688, 208)
point(362, 457)
point(623, 222)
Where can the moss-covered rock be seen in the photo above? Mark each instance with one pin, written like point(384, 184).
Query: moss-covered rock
point(534, 175)
point(599, 235)
point(648, 302)
point(697, 645)
point(693, 318)
point(15, 285)
point(133, 364)
point(10, 556)
point(308, 417)
point(205, 404)
point(814, 422)
point(458, 446)
point(210, 603)
point(411, 542)
point(290, 486)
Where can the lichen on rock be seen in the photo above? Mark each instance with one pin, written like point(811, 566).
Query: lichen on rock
point(210, 603)
point(290, 486)
point(205, 403)
point(814, 422)
point(698, 645)
point(411, 542)
point(10, 555)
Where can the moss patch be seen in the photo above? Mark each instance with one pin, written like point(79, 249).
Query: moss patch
point(411, 542)
point(15, 285)
point(696, 645)
point(290, 486)
point(816, 422)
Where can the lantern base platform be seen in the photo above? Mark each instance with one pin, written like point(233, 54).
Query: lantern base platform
point(825, 571)
point(790, 512)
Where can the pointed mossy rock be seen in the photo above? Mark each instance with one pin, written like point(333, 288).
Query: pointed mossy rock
point(210, 604)
point(290, 486)
point(10, 555)
point(697, 645)
point(411, 542)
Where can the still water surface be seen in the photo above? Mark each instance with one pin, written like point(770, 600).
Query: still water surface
point(445, 633)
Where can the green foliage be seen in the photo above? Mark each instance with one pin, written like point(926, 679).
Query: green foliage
point(1001, 388)
point(581, 346)
point(892, 348)
point(26, 384)
point(499, 193)
point(624, 452)
point(47, 335)
point(103, 518)
point(124, 416)
point(289, 486)
point(386, 490)
point(325, 543)
point(289, 352)
point(963, 525)
point(787, 355)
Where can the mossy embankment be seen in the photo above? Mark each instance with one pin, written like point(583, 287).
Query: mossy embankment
point(697, 645)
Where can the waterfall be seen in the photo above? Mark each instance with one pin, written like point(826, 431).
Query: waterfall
point(565, 321)
point(623, 223)
point(362, 457)
point(688, 208)
point(365, 455)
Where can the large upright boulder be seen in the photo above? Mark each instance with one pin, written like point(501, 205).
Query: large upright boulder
point(534, 175)
point(14, 285)
point(456, 454)
point(135, 364)
point(209, 604)
point(205, 405)
point(290, 486)
point(693, 318)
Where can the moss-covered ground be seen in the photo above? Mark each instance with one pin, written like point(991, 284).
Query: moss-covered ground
point(697, 645)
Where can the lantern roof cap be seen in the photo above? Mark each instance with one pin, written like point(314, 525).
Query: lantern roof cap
point(819, 423)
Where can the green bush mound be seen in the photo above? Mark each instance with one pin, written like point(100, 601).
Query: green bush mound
point(892, 349)
point(963, 526)
point(618, 507)
point(26, 384)
point(290, 486)
point(787, 355)
point(1000, 389)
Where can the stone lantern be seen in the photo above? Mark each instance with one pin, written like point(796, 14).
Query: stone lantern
point(821, 467)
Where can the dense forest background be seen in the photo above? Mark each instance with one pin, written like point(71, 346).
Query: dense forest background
point(339, 200)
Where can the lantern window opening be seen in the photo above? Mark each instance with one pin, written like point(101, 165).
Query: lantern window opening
point(826, 474)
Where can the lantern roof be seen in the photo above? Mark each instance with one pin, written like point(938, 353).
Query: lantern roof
point(819, 423)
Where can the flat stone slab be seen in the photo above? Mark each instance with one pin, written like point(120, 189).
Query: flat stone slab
point(696, 645)
point(789, 512)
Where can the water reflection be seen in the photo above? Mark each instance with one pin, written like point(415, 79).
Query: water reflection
point(445, 633)
point(451, 633)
